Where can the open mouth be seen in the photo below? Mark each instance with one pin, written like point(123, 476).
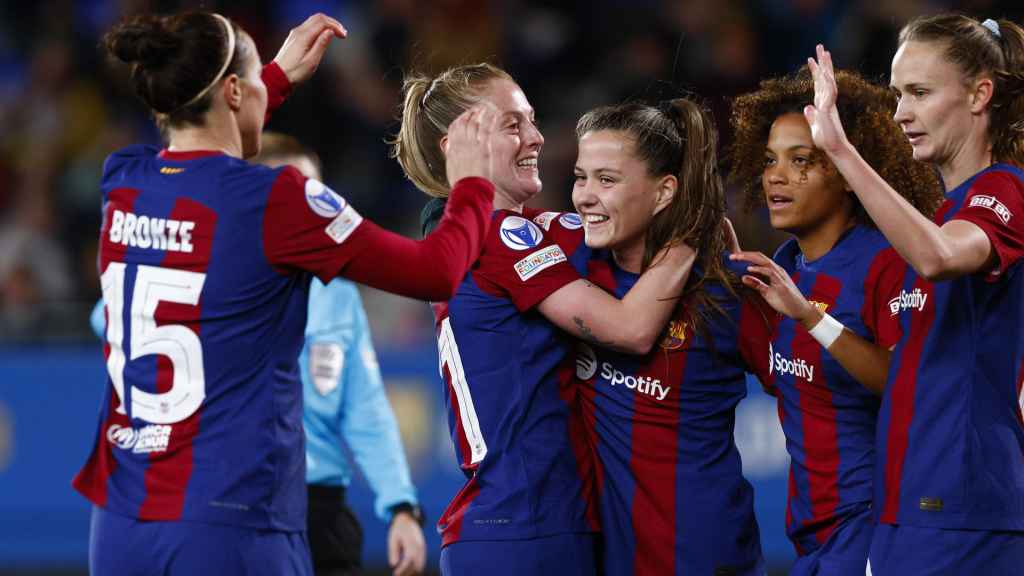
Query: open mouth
point(914, 137)
point(594, 220)
point(778, 201)
point(527, 164)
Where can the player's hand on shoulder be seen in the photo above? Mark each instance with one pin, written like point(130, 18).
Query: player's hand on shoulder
point(407, 550)
point(305, 46)
point(468, 144)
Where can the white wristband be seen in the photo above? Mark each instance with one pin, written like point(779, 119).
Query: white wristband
point(826, 331)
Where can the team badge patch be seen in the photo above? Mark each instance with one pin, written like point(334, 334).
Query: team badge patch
point(586, 362)
point(571, 220)
point(675, 336)
point(519, 233)
point(990, 202)
point(544, 220)
point(541, 259)
point(322, 200)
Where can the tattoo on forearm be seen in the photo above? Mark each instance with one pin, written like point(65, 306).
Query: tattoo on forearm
point(587, 334)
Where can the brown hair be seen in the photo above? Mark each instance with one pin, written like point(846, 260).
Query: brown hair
point(979, 51)
point(865, 109)
point(678, 138)
point(430, 105)
point(173, 58)
point(276, 145)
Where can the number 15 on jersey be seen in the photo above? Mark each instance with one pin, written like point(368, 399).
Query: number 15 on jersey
point(178, 343)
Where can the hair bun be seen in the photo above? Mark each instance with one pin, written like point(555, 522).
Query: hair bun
point(144, 41)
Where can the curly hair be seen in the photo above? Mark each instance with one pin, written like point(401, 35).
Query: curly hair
point(866, 111)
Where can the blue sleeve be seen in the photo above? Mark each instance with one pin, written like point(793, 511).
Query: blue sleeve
point(365, 419)
point(98, 320)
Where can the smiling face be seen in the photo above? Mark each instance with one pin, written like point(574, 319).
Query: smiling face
point(934, 107)
point(616, 196)
point(802, 189)
point(517, 145)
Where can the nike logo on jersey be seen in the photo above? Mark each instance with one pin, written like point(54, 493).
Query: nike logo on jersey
point(908, 301)
point(796, 367)
point(129, 229)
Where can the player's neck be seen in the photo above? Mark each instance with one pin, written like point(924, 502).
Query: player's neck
point(967, 162)
point(816, 242)
point(503, 202)
point(216, 134)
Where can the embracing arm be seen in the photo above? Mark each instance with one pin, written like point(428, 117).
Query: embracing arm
point(955, 249)
point(630, 325)
point(432, 268)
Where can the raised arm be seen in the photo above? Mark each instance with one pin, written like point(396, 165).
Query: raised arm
point(630, 325)
point(955, 249)
point(867, 362)
point(299, 57)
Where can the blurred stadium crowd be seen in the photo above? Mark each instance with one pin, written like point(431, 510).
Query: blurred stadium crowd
point(63, 109)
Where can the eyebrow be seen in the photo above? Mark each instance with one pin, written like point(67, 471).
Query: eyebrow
point(791, 148)
point(602, 170)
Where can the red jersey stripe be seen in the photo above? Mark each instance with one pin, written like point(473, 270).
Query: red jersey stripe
point(168, 474)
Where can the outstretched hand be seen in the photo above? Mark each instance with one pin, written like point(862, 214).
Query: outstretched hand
point(304, 48)
point(467, 147)
point(823, 116)
point(777, 288)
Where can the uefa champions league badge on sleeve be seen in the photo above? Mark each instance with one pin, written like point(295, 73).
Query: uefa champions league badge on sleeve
point(322, 200)
point(571, 221)
point(329, 204)
point(519, 233)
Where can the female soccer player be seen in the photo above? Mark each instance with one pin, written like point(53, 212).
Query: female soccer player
point(522, 509)
point(671, 495)
point(949, 484)
point(205, 263)
point(838, 264)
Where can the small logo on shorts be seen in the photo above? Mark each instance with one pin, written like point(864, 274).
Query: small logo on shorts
point(930, 504)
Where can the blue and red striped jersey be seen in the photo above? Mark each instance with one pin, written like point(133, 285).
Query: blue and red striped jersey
point(950, 430)
point(498, 358)
point(671, 495)
point(205, 265)
point(828, 417)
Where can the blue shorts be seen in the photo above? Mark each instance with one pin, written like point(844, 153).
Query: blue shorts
point(845, 553)
point(917, 551)
point(128, 546)
point(562, 554)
